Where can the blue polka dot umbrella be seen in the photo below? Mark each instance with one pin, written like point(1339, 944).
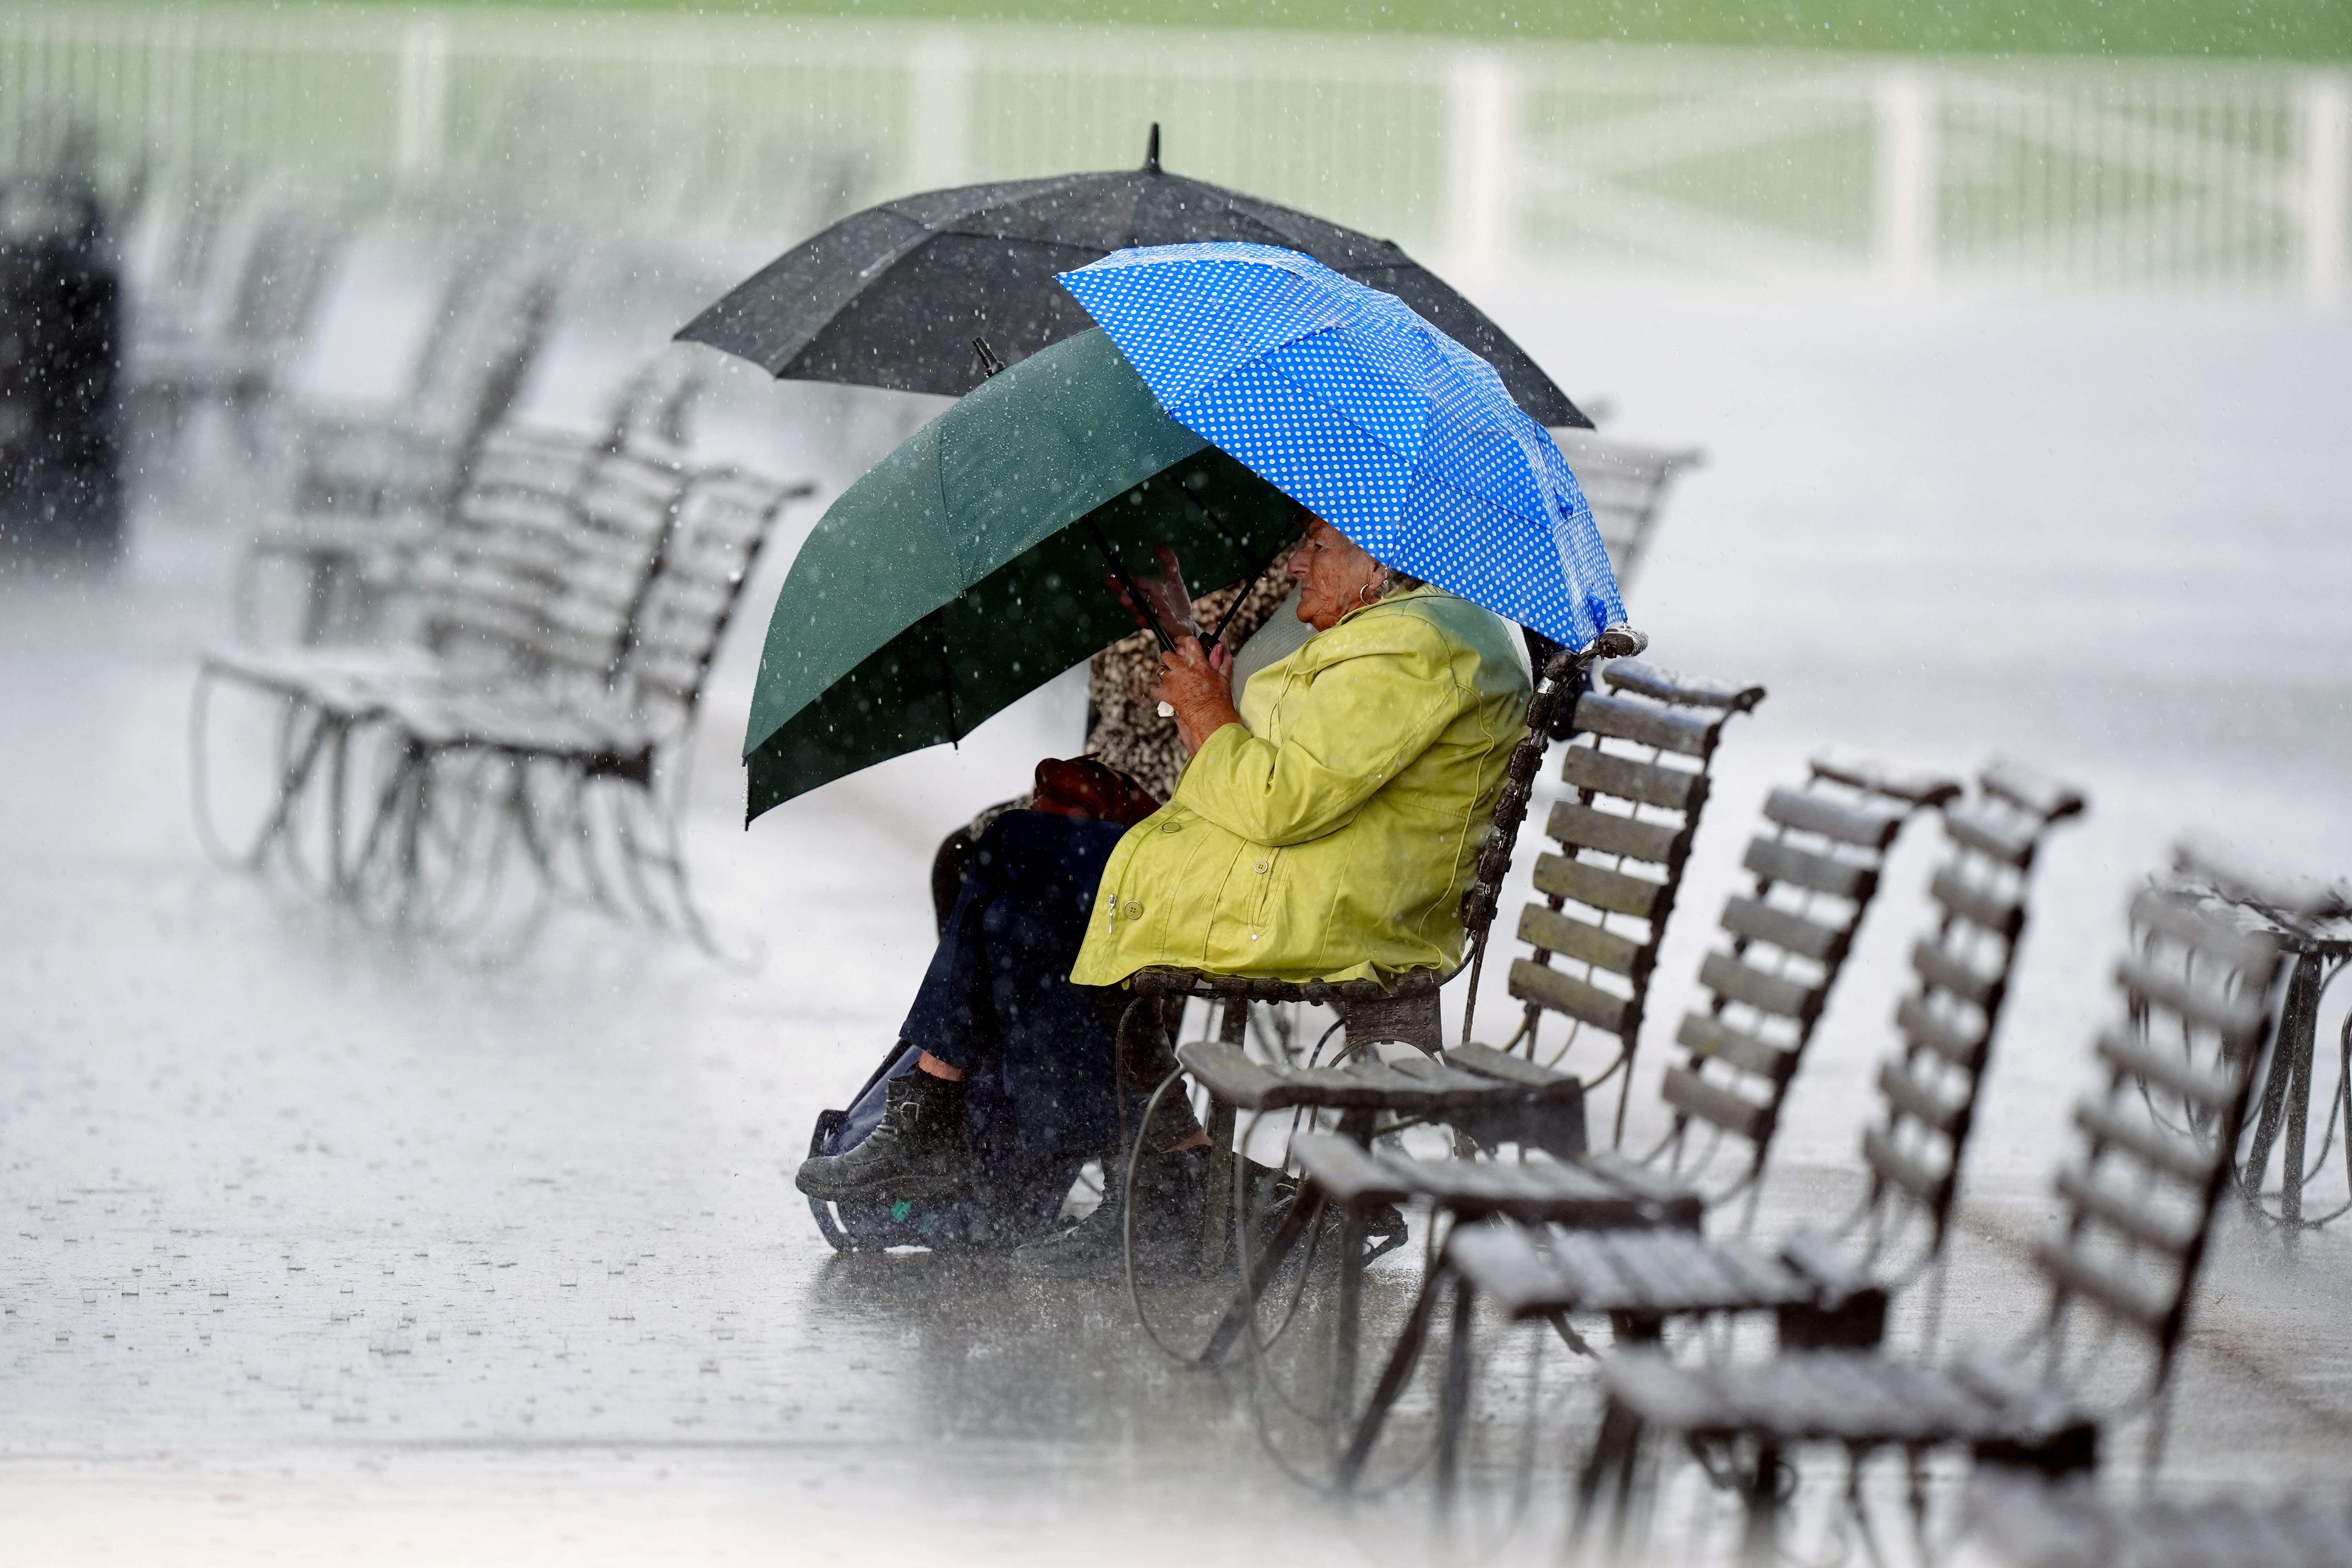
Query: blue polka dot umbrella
point(1384, 427)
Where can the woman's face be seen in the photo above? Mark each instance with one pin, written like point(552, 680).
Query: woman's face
point(1335, 575)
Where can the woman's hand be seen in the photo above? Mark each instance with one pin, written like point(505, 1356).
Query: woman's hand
point(1199, 684)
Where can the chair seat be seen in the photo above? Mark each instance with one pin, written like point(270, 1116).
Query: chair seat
point(1257, 988)
point(350, 682)
point(1839, 1396)
point(524, 723)
point(1534, 1191)
point(1650, 1273)
point(439, 705)
point(1412, 1087)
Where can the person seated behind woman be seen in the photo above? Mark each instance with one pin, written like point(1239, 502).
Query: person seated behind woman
point(1126, 731)
point(1324, 828)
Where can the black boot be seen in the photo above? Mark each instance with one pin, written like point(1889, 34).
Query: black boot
point(1169, 1190)
point(917, 1152)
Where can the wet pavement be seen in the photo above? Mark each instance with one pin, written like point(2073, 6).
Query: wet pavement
point(324, 1246)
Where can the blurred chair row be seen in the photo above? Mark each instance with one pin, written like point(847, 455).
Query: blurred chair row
point(572, 600)
point(488, 642)
point(1533, 1215)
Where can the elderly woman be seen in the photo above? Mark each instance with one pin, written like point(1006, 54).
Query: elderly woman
point(1324, 827)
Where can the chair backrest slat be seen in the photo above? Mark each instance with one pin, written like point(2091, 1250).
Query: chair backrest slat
point(546, 551)
point(1817, 865)
point(1774, 861)
point(1960, 973)
point(1708, 1037)
point(1643, 784)
point(1637, 763)
point(1551, 930)
point(1623, 719)
point(1615, 892)
point(1582, 827)
point(723, 519)
point(1868, 826)
point(1752, 920)
point(2137, 1206)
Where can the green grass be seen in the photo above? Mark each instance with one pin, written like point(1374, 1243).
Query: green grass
point(2238, 29)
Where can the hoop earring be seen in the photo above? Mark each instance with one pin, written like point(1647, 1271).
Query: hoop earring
point(1364, 596)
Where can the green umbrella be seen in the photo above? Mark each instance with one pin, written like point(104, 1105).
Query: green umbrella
point(966, 569)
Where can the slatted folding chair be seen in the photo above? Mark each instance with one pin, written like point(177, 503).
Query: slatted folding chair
point(610, 771)
point(1626, 484)
point(177, 251)
point(234, 362)
point(1834, 1288)
point(653, 406)
point(1817, 868)
point(453, 800)
point(532, 580)
point(370, 494)
point(493, 320)
point(1639, 767)
point(2136, 1208)
point(1817, 865)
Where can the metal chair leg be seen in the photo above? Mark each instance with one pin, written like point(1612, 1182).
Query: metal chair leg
point(2285, 1100)
point(1348, 1326)
point(1760, 1536)
point(1217, 1207)
point(1613, 1450)
point(1278, 1247)
point(1454, 1398)
point(1394, 1375)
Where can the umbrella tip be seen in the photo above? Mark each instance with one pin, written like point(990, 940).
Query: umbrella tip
point(1151, 151)
point(989, 363)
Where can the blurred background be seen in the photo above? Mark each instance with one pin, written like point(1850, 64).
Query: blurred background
point(1833, 144)
point(1990, 359)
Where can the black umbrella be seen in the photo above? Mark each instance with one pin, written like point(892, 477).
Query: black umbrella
point(893, 296)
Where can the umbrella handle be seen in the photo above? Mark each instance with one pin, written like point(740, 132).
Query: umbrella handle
point(1215, 637)
point(1134, 594)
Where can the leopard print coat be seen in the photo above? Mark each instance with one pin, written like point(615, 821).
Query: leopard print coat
point(1123, 725)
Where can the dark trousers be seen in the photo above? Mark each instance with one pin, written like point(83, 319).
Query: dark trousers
point(997, 1001)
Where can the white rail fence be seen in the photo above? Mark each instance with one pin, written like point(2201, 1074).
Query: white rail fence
point(1904, 175)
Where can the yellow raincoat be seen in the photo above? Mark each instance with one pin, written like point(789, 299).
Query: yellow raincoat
point(1331, 833)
